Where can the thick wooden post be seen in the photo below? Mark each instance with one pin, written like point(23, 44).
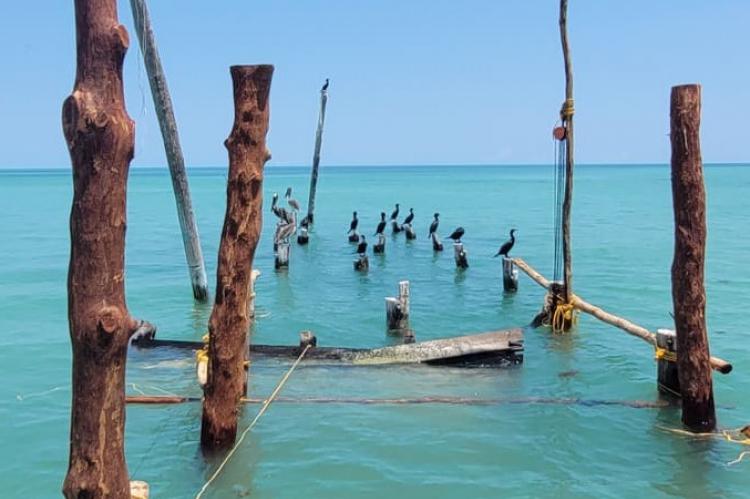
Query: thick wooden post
point(666, 366)
point(316, 154)
point(230, 320)
point(168, 125)
point(567, 117)
point(100, 137)
point(688, 293)
point(510, 275)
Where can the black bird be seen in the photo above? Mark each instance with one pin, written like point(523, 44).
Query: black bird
point(325, 86)
point(409, 217)
point(457, 234)
point(394, 215)
point(355, 222)
point(507, 245)
point(381, 225)
point(434, 225)
point(362, 246)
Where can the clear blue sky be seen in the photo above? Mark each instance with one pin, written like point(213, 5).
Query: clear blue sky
point(412, 81)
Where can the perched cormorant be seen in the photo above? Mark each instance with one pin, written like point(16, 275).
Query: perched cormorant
point(355, 222)
point(507, 245)
point(394, 215)
point(457, 234)
point(381, 225)
point(325, 86)
point(434, 225)
point(409, 217)
point(362, 246)
point(289, 199)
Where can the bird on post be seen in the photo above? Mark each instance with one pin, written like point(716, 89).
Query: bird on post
point(354, 223)
point(457, 234)
point(279, 211)
point(362, 246)
point(293, 203)
point(409, 217)
point(507, 245)
point(325, 86)
point(434, 225)
point(394, 215)
point(381, 225)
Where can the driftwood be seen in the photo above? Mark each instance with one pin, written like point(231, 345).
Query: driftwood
point(100, 137)
point(718, 364)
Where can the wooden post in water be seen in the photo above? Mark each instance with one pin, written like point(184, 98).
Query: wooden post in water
point(100, 137)
point(666, 363)
point(510, 275)
point(230, 320)
point(460, 255)
point(168, 126)
point(688, 293)
point(397, 309)
point(316, 154)
point(566, 114)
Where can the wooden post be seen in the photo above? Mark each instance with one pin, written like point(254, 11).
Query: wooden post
point(566, 114)
point(410, 234)
point(251, 293)
point(230, 321)
point(307, 338)
point(461, 256)
point(100, 137)
point(281, 258)
point(362, 263)
point(510, 275)
point(379, 247)
point(666, 365)
point(316, 154)
point(688, 293)
point(168, 126)
point(397, 309)
point(354, 236)
point(437, 244)
point(303, 237)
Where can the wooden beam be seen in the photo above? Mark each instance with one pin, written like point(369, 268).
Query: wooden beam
point(567, 119)
point(100, 137)
point(316, 154)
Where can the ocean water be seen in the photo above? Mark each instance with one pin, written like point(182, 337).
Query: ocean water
point(622, 252)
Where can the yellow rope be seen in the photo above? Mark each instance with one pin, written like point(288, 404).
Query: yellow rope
point(567, 110)
point(729, 436)
point(564, 314)
point(266, 403)
point(664, 354)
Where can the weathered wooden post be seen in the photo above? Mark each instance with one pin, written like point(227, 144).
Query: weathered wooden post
point(379, 247)
point(437, 244)
point(285, 228)
point(251, 293)
point(362, 263)
point(688, 292)
point(100, 137)
point(316, 154)
point(409, 230)
point(168, 126)
point(510, 275)
point(666, 362)
point(230, 320)
point(397, 309)
point(281, 257)
point(566, 115)
point(460, 255)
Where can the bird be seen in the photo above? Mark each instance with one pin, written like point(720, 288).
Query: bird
point(355, 222)
point(362, 246)
point(409, 217)
point(394, 215)
point(289, 199)
point(279, 211)
point(325, 86)
point(507, 245)
point(381, 225)
point(457, 234)
point(434, 225)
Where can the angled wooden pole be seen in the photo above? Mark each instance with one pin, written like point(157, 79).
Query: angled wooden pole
point(100, 137)
point(566, 113)
point(230, 317)
point(688, 292)
point(316, 154)
point(168, 125)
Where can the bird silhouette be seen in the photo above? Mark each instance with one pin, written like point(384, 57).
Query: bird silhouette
point(409, 217)
point(457, 234)
point(434, 225)
point(394, 215)
point(381, 225)
point(507, 245)
point(355, 222)
point(325, 86)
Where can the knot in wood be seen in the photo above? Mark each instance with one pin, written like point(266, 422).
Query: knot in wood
point(110, 318)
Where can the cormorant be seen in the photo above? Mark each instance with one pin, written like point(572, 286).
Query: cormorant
point(381, 225)
point(434, 225)
point(362, 246)
point(289, 199)
point(394, 215)
point(409, 217)
point(507, 245)
point(457, 234)
point(355, 222)
point(325, 86)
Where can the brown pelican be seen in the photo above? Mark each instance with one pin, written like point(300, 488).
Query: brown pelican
point(507, 245)
point(289, 199)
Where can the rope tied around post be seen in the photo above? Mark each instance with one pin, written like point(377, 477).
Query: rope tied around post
point(664, 354)
point(567, 110)
point(564, 313)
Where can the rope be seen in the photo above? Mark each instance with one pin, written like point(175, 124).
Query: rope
point(567, 110)
point(564, 313)
point(266, 404)
point(664, 354)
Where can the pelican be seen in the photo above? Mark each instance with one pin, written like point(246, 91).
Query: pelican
point(434, 225)
point(409, 217)
point(507, 245)
point(457, 234)
point(289, 199)
point(355, 222)
point(381, 225)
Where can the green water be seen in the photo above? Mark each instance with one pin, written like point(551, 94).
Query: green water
point(622, 247)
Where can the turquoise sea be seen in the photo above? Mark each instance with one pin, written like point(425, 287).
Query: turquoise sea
point(622, 252)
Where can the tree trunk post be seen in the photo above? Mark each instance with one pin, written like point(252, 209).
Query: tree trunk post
point(688, 293)
point(230, 320)
point(168, 125)
point(566, 114)
point(316, 155)
point(460, 255)
point(100, 137)
point(510, 275)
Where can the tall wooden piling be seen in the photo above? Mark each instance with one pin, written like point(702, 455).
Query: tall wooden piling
point(316, 154)
point(397, 309)
point(175, 160)
point(566, 114)
point(688, 293)
point(230, 319)
point(100, 137)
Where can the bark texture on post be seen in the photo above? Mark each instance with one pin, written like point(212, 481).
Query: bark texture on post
point(100, 137)
point(688, 293)
point(230, 318)
point(567, 117)
point(175, 160)
point(316, 155)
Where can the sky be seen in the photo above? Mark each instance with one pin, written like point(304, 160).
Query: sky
point(412, 81)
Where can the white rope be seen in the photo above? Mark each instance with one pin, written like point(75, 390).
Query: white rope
point(266, 403)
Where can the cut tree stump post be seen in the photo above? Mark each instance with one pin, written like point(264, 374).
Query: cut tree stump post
point(230, 320)
point(460, 255)
point(409, 230)
point(510, 275)
point(437, 244)
point(666, 365)
point(362, 263)
point(175, 160)
point(397, 309)
point(688, 292)
point(316, 155)
point(100, 137)
point(379, 247)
